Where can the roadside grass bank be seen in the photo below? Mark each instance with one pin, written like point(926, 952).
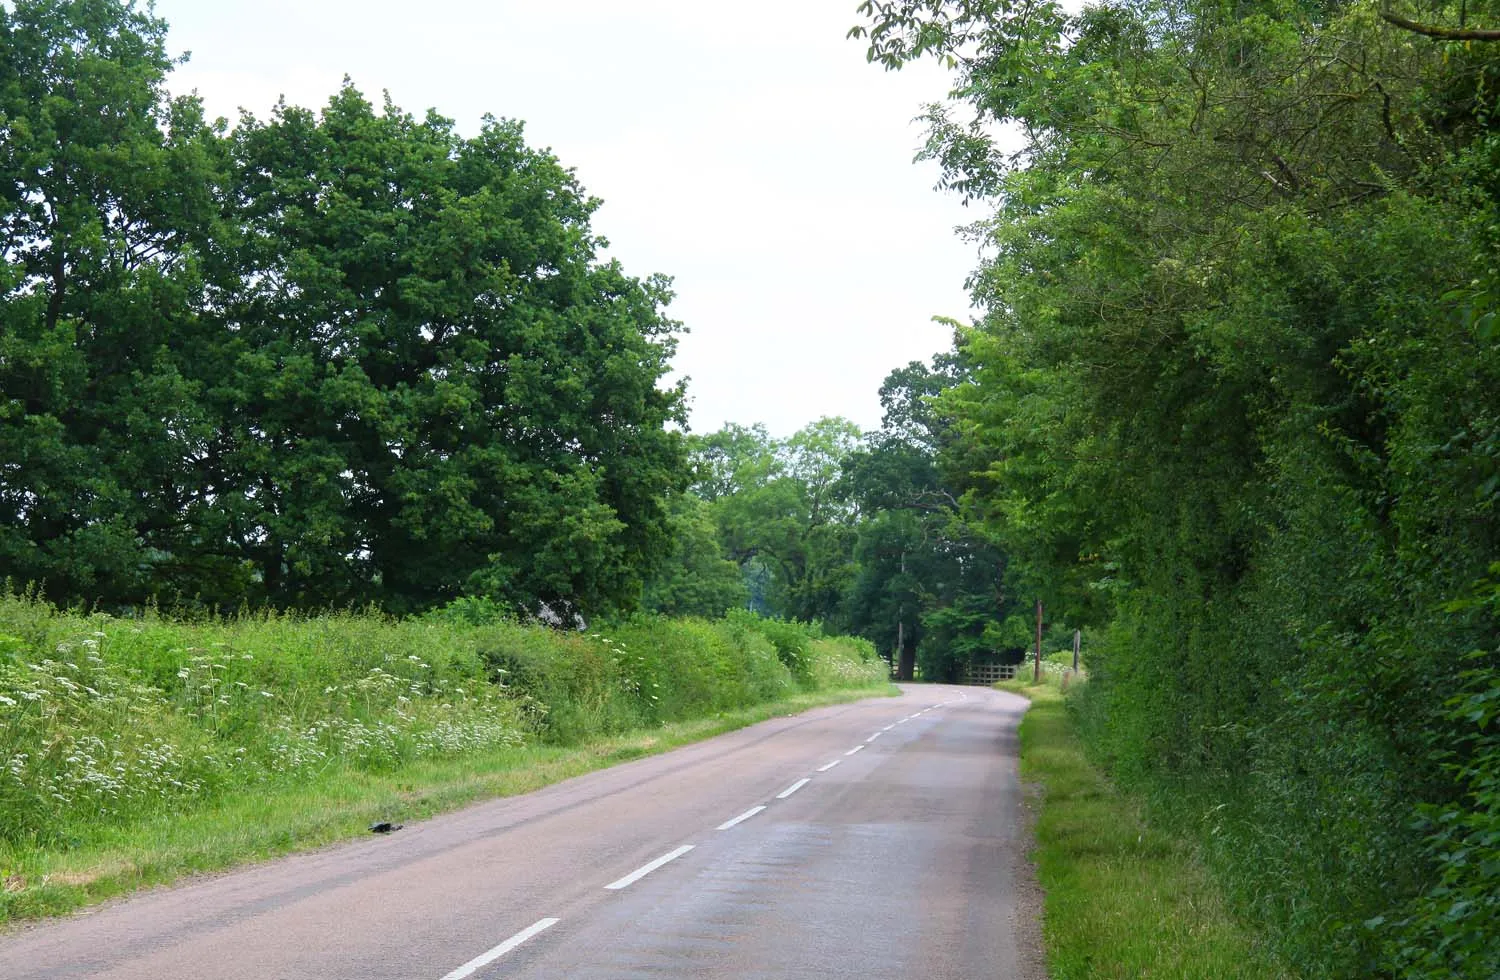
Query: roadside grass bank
point(135, 751)
point(1124, 899)
point(256, 824)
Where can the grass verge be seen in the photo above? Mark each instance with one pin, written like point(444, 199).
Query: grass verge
point(1123, 899)
point(266, 822)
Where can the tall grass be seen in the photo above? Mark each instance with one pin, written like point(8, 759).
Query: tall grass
point(105, 721)
point(1125, 896)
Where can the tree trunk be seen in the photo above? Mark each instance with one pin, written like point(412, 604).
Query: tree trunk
point(906, 664)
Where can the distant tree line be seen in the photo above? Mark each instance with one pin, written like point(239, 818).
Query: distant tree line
point(861, 532)
point(316, 359)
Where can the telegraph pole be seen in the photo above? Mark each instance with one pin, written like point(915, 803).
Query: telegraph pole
point(1036, 674)
point(901, 627)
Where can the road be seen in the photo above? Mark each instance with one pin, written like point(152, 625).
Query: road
point(880, 839)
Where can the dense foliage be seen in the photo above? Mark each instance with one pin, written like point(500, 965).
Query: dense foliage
point(318, 359)
point(858, 531)
point(780, 511)
point(104, 721)
point(1233, 401)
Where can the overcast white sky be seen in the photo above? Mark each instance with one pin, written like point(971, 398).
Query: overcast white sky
point(747, 150)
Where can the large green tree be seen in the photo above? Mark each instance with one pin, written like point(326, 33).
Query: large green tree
point(783, 512)
point(696, 579)
point(441, 389)
point(329, 357)
point(109, 208)
point(930, 587)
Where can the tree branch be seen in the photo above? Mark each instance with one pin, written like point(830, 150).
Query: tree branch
point(1432, 30)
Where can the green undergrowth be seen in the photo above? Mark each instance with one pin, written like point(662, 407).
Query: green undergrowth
point(252, 825)
point(133, 751)
point(1124, 898)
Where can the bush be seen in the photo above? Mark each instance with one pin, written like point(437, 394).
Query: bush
point(845, 661)
point(788, 638)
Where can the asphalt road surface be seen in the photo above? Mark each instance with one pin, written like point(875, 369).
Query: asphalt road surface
point(881, 839)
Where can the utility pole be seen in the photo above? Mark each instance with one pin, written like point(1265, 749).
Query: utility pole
point(1036, 674)
point(901, 670)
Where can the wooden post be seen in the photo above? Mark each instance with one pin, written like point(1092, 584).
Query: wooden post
point(1036, 674)
point(1077, 646)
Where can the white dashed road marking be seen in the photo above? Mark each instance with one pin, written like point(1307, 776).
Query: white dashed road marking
point(485, 959)
point(792, 788)
point(742, 817)
point(643, 871)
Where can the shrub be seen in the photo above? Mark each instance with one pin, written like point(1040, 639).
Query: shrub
point(788, 638)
